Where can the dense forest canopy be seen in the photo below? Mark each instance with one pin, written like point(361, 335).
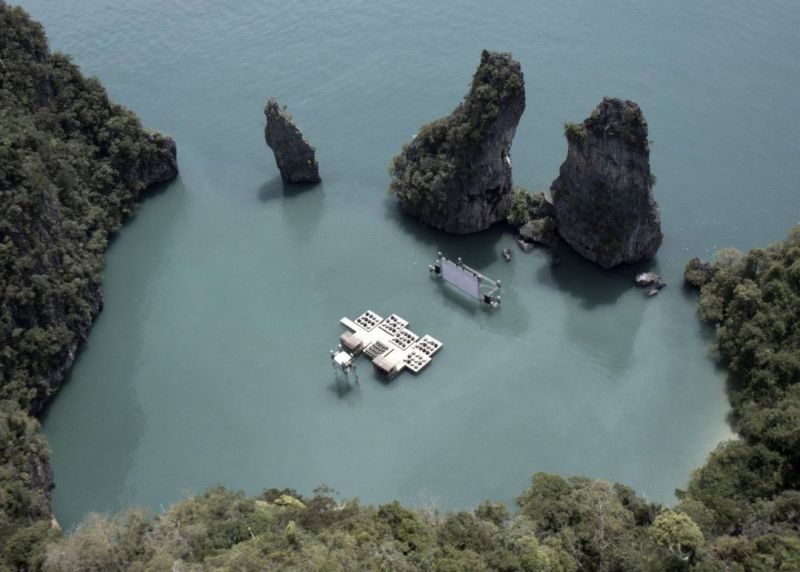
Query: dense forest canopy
point(72, 166)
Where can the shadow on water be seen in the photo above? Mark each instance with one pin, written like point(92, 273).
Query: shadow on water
point(733, 382)
point(277, 189)
point(584, 280)
point(345, 390)
point(508, 320)
point(100, 455)
point(477, 250)
point(153, 193)
point(601, 323)
point(481, 251)
point(302, 205)
point(349, 390)
point(707, 333)
point(455, 300)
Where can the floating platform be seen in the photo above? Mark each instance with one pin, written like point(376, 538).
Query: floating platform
point(388, 343)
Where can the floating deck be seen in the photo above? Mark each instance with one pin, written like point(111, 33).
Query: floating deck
point(391, 347)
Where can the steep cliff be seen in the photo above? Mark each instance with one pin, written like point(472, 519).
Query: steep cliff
point(294, 155)
point(456, 173)
point(72, 166)
point(603, 196)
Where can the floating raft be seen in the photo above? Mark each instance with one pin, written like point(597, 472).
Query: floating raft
point(388, 343)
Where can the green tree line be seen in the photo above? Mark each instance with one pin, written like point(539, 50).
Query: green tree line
point(72, 167)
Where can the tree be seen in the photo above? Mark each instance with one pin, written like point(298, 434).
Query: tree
point(677, 533)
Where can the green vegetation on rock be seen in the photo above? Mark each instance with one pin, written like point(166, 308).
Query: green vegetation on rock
point(574, 131)
point(753, 300)
point(534, 216)
point(523, 206)
point(421, 172)
point(73, 166)
point(440, 176)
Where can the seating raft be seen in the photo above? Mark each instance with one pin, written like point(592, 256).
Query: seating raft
point(388, 343)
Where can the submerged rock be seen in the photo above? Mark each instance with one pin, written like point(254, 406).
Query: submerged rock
point(603, 195)
point(456, 173)
point(294, 155)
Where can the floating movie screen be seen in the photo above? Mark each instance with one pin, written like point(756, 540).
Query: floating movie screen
point(460, 278)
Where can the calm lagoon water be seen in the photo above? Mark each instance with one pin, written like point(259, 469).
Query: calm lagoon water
point(209, 363)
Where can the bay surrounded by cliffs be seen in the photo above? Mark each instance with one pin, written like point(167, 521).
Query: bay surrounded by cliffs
point(209, 362)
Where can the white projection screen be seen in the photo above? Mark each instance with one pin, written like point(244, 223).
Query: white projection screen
point(460, 278)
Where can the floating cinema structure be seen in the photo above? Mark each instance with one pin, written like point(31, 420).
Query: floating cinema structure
point(391, 347)
point(467, 280)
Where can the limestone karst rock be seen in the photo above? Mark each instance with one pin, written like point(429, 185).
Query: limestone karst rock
point(535, 217)
point(603, 195)
point(455, 174)
point(161, 163)
point(293, 153)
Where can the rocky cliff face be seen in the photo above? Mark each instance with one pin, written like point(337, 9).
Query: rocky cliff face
point(456, 173)
point(74, 165)
point(159, 163)
point(603, 196)
point(293, 153)
point(50, 232)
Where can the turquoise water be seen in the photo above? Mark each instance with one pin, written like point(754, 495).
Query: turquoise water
point(209, 363)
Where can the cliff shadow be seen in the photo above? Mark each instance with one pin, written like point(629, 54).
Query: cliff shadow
point(152, 193)
point(733, 382)
point(584, 280)
point(301, 204)
point(597, 319)
point(483, 252)
point(478, 250)
point(275, 189)
point(95, 422)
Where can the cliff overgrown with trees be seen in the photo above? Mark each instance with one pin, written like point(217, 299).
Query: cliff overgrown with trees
point(455, 174)
point(72, 165)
